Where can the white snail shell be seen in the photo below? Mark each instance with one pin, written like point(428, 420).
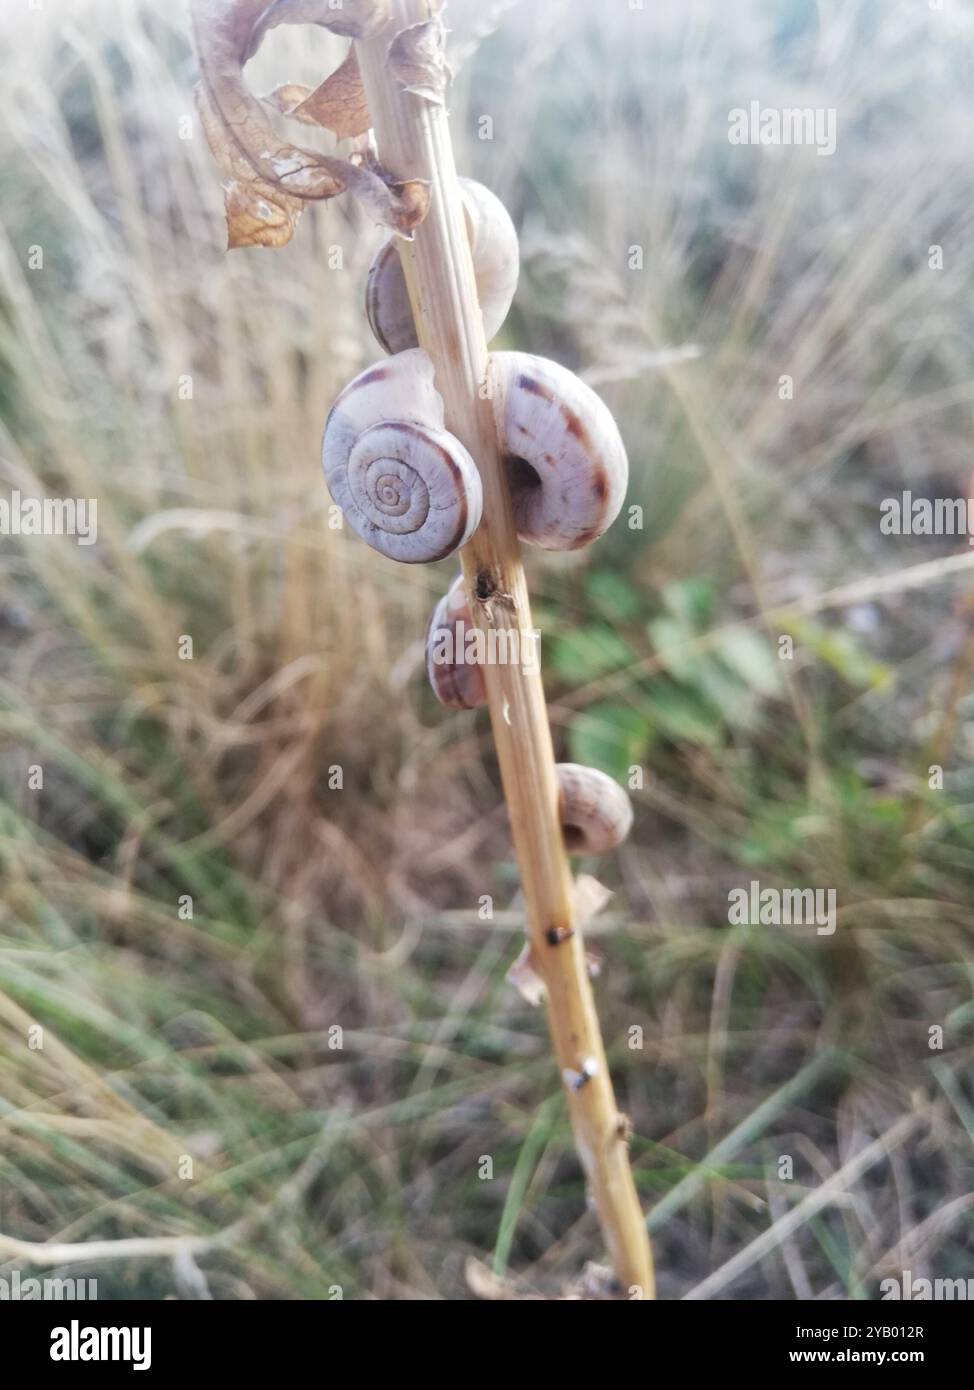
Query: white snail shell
point(458, 684)
point(405, 484)
point(493, 245)
point(567, 464)
point(595, 812)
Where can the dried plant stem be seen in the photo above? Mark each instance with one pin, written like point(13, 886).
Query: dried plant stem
point(413, 139)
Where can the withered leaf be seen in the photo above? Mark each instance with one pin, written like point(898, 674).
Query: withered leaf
point(271, 179)
point(589, 897)
point(287, 98)
point(410, 199)
point(417, 60)
point(484, 1283)
point(339, 103)
point(258, 216)
point(258, 212)
point(595, 1283)
point(526, 978)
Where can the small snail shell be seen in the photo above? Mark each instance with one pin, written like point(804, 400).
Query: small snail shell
point(596, 814)
point(493, 245)
point(567, 463)
point(406, 486)
point(459, 684)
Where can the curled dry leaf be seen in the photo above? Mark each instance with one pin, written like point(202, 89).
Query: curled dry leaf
point(339, 103)
point(259, 212)
point(270, 179)
point(417, 60)
point(258, 216)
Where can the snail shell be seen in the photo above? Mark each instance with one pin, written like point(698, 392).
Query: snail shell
point(493, 245)
point(566, 459)
point(567, 464)
point(595, 812)
point(406, 485)
point(459, 684)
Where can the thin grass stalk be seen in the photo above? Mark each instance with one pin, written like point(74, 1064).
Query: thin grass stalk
point(413, 141)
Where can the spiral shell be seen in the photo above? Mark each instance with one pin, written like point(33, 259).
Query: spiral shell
point(595, 812)
point(458, 684)
point(406, 485)
point(567, 463)
point(493, 245)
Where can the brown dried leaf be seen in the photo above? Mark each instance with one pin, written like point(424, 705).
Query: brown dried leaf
point(339, 103)
point(287, 97)
point(589, 897)
point(259, 216)
point(596, 1282)
point(526, 978)
point(401, 206)
point(484, 1283)
point(417, 60)
point(271, 178)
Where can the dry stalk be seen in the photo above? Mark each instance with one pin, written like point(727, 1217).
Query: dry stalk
point(413, 142)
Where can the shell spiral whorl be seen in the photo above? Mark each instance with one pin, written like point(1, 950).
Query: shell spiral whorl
point(406, 485)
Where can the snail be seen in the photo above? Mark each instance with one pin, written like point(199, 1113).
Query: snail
point(458, 684)
point(493, 245)
point(410, 488)
point(595, 812)
point(412, 491)
point(405, 484)
point(567, 464)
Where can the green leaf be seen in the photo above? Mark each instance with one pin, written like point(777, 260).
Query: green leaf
point(724, 692)
point(683, 715)
point(691, 601)
point(613, 595)
point(750, 656)
point(611, 736)
point(589, 652)
point(844, 653)
point(774, 835)
point(674, 644)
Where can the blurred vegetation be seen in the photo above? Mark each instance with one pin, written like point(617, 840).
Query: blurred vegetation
point(190, 906)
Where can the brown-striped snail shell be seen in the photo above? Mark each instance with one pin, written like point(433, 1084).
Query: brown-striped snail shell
point(493, 245)
point(567, 464)
point(405, 484)
point(457, 683)
point(595, 812)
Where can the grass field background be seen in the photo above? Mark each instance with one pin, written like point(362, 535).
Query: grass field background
point(190, 906)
